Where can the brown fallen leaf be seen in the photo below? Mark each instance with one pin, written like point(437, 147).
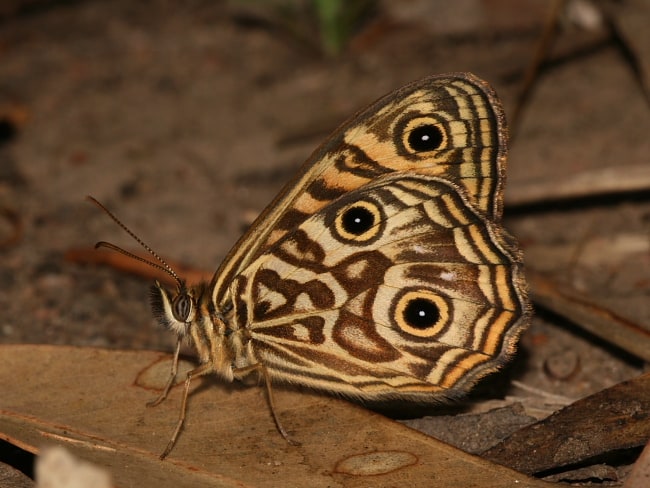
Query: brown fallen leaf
point(92, 401)
point(580, 309)
point(596, 473)
point(14, 221)
point(12, 478)
point(591, 183)
point(612, 419)
point(90, 255)
point(640, 475)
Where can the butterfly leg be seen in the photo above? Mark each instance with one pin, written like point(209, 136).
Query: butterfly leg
point(199, 371)
point(170, 381)
point(264, 373)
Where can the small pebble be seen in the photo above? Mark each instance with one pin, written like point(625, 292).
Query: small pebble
point(562, 365)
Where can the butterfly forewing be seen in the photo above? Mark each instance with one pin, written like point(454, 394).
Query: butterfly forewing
point(450, 126)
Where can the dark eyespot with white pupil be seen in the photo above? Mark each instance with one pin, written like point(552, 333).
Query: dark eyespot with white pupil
point(357, 220)
point(427, 137)
point(182, 307)
point(421, 313)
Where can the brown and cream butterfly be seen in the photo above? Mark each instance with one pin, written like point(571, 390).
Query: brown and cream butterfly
point(381, 272)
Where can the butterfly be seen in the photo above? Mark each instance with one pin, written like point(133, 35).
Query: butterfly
point(381, 272)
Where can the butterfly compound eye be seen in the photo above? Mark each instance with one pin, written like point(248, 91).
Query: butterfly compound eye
point(182, 307)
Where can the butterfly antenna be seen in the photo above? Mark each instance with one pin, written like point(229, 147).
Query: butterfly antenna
point(161, 264)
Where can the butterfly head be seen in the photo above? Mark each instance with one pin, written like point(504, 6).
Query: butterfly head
point(176, 310)
point(188, 312)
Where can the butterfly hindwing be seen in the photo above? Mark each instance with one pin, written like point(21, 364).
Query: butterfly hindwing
point(399, 288)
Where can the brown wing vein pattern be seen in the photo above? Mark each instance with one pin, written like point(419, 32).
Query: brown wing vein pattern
point(334, 310)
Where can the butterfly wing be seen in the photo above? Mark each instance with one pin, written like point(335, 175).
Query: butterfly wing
point(450, 126)
point(399, 288)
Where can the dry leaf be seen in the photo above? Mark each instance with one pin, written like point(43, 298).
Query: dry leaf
point(613, 419)
point(92, 401)
point(129, 265)
point(582, 311)
point(12, 478)
point(640, 475)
